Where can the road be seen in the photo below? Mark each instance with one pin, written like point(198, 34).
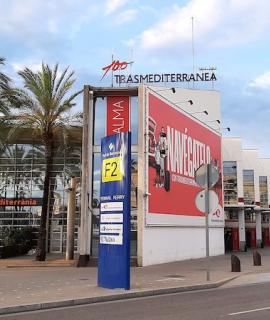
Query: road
point(234, 303)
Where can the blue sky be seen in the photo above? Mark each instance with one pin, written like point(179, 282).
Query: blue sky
point(232, 35)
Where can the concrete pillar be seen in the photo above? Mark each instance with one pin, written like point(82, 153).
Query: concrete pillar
point(269, 223)
point(71, 210)
point(259, 229)
point(86, 180)
point(242, 230)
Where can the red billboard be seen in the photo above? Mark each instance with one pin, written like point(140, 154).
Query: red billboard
point(118, 114)
point(178, 145)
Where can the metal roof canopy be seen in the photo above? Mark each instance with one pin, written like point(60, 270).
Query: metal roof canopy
point(246, 206)
point(240, 206)
point(100, 92)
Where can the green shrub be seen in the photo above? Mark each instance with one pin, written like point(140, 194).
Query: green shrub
point(21, 240)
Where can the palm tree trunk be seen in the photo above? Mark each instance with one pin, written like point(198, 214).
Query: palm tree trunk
point(41, 248)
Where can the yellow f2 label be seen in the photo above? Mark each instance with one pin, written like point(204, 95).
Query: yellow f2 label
point(111, 170)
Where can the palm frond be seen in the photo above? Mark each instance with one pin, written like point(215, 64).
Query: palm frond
point(4, 87)
point(45, 102)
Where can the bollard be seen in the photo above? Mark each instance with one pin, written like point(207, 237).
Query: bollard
point(257, 260)
point(235, 262)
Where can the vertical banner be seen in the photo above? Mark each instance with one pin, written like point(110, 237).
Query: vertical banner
point(118, 114)
point(114, 246)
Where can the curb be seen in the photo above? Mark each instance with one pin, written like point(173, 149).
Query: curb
point(113, 297)
point(39, 266)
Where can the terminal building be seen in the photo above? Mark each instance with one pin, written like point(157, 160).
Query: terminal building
point(168, 227)
point(246, 196)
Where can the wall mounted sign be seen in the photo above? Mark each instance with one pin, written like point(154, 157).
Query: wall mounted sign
point(114, 243)
point(204, 74)
point(21, 202)
point(115, 66)
point(165, 77)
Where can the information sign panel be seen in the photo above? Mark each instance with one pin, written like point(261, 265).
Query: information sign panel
point(114, 245)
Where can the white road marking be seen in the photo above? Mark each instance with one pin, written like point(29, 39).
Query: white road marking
point(248, 311)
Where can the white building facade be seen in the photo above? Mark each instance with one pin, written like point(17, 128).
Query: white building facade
point(246, 196)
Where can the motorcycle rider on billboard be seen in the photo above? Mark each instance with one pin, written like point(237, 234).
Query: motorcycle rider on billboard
point(163, 148)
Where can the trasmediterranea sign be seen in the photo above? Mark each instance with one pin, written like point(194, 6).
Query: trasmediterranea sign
point(205, 75)
point(178, 145)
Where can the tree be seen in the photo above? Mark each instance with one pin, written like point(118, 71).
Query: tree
point(4, 88)
point(44, 106)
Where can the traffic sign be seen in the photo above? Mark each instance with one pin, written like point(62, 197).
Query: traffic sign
point(201, 176)
point(200, 201)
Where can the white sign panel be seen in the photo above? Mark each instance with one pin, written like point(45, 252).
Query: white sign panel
point(111, 206)
point(213, 201)
point(201, 175)
point(111, 217)
point(111, 228)
point(111, 239)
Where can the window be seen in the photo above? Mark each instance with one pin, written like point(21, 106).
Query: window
point(248, 183)
point(263, 191)
point(230, 182)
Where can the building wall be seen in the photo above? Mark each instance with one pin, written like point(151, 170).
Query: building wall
point(162, 245)
point(174, 237)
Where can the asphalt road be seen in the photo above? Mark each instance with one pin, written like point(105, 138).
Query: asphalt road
point(235, 303)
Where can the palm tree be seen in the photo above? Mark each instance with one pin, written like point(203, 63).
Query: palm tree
point(4, 87)
point(44, 107)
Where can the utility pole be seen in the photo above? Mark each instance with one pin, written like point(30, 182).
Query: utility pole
point(207, 221)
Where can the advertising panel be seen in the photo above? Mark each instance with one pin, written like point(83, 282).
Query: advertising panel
point(114, 244)
point(178, 145)
point(118, 114)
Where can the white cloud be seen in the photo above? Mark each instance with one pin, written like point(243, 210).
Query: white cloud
point(130, 43)
point(18, 66)
point(33, 19)
point(113, 5)
point(126, 16)
point(262, 81)
point(217, 23)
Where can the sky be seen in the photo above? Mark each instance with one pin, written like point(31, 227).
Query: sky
point(231, 35)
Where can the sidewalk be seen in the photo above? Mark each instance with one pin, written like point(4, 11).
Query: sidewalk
point(29, 285)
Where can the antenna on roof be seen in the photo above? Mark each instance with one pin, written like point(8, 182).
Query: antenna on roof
point(193, 51)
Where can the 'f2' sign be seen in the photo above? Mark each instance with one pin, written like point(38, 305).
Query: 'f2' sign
point(111, 170)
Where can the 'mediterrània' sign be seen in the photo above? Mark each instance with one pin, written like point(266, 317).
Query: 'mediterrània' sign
point(116, 65)
point(21, 202)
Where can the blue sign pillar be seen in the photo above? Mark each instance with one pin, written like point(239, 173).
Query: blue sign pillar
point(114, 245)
